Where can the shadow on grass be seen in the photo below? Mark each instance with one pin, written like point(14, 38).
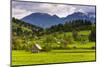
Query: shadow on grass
point(76, 52)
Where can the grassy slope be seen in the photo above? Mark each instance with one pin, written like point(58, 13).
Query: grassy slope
point(55, 56)
point(69, 34)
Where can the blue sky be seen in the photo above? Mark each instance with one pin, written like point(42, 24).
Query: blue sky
point(22, 9)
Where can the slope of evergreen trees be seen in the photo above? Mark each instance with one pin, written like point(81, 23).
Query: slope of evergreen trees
point(21, 28)
point(23, 33)
point(70, 26)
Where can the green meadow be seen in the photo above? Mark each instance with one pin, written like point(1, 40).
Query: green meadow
point(74, 52)
point(55, 56)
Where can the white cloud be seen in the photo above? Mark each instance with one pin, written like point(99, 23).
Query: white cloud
point(53, 9)
point(22, 9)
point(20, 13)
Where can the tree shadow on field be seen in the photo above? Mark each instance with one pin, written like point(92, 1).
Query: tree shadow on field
point(73, 51)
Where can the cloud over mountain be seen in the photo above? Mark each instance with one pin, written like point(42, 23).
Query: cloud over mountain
point(22, 9)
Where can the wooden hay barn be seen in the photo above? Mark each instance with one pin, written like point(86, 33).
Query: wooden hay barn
point(36, 48)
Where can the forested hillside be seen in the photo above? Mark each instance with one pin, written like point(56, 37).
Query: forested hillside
point(24, 35)
point(21, 28)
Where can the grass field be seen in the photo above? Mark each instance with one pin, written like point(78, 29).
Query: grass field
point(20, 57)
point(74, 52)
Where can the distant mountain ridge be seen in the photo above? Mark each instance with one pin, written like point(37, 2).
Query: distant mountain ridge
point(45, 20)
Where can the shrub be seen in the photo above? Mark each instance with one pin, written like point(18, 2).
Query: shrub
point(47, 43)
point(75, 35)
point(47, 47)
point(17, 43)
point(92, 36)
point(93, 47)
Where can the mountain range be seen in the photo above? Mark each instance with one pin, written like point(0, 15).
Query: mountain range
point(45, 20)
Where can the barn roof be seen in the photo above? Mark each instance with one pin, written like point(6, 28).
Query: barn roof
point(38, 46)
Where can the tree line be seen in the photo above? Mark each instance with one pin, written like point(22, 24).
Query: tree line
point(70, 26)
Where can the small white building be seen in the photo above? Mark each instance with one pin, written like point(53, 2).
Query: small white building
point(36, 48)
